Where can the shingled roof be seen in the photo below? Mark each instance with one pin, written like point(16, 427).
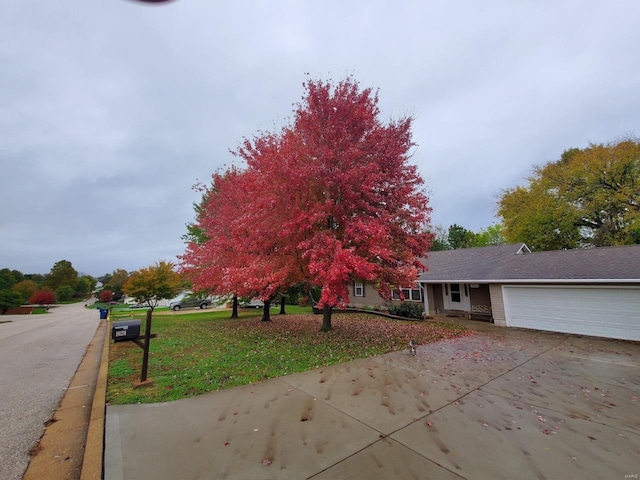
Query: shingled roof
point(516, 264)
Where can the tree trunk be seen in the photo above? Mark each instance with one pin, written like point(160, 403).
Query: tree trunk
point(282, 312)
point(265, 311)
point(234, 310)
point(326, 318)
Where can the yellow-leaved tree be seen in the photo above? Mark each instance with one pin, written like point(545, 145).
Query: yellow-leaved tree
point(589, 197)
point(151, 284)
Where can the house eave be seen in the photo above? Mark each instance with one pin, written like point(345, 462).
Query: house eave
point(535, 280)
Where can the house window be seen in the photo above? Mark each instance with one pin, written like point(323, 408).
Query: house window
point(455, 292)
point(410, 294)
point(358, 289)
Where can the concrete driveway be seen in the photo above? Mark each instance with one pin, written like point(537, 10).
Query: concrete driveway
point(501, 404)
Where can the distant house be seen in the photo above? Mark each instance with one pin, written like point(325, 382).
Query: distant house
point(587, 291)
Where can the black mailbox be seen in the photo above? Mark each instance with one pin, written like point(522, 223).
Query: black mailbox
point(125, 330)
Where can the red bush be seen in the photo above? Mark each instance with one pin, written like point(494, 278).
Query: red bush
point(42, 297)
point(106, 296)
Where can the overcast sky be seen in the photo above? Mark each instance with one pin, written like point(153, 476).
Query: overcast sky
point(111, 110)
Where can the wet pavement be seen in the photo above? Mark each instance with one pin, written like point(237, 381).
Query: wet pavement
point(503, 403)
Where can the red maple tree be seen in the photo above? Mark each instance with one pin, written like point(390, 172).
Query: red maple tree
point(42, 297)
point(236, 248)
point(106, 296)
point(328, 200)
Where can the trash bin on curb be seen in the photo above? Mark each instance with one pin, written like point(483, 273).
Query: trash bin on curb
point(103, 313)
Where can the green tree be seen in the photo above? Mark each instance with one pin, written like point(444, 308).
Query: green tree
point(151, 284)
point(62, 273)
point(492, 235)
point(9, 299)
point(457, 236)
point(460, 237)
point(589, 197)
point(8, 278)
point(64, 293)
point(86, 284)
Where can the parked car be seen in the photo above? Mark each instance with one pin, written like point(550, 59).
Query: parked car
point(253, 303)
point(190, 303)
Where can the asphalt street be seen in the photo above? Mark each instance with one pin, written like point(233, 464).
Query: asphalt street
point(39, 355)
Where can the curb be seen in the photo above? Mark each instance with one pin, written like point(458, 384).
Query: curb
point(93, 460)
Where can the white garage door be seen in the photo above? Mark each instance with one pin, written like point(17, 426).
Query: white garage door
point(600, 311)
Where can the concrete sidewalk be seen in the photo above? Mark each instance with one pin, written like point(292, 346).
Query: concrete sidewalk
point(502, 404)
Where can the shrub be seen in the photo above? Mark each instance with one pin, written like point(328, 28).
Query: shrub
point(407, 309)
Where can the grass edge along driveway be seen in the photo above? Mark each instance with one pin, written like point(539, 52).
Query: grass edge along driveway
point(202, 352)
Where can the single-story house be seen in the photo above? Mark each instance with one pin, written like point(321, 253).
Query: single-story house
point(592, 291)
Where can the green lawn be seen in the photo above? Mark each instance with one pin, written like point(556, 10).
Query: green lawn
point(200, 352)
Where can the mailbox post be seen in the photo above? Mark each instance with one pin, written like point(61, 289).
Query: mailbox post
point(130, 330)
point(145, 348)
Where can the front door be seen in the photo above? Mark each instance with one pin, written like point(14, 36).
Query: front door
point(454, 296)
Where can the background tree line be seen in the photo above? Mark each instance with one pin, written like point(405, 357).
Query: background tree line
point(62, 283)
point(456, 236)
